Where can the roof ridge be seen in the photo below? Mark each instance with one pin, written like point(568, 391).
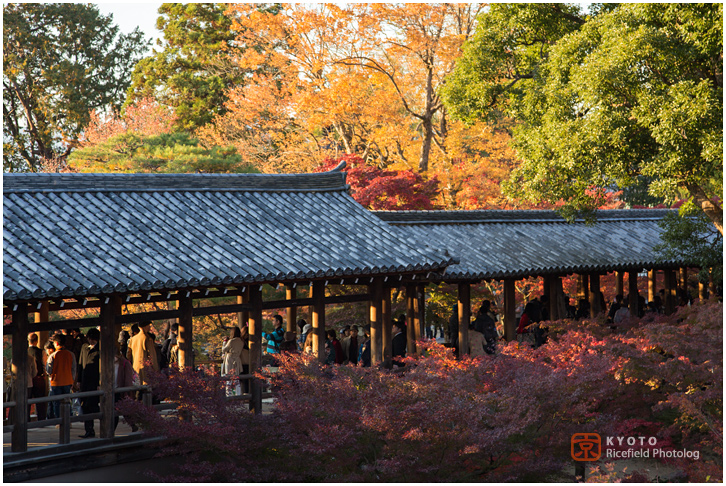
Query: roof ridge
point(511, 216)
point(334, 180)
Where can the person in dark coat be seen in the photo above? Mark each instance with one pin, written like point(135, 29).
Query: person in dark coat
point(40, 381)
point(89, 378)
point(454, 329)
point(487, 327)
point(398, 344)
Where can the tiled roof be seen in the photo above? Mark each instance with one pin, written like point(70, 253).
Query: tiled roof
point(73, 235)
point(497, 244)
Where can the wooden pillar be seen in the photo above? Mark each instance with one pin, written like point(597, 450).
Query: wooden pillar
point(184, 335)
point(410, 319)
point(510, 315)
point(702, 291)
point(683, 280)
point(583, 287)
point(633, 292)
point(387, 329)
point(619, 282)
point(255, 344)
point(318, 318)
point(595, 303)
point(376, 291)
point(420, 309)
point(652, 278)
point(244, 316)
point(110, 308)
point(42, 316)
point(555, 294)
point(464, 317)
point(670, 291)
point(291, 293)
point(20, 357)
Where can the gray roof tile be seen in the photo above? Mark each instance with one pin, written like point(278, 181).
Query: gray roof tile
point(86, 234)
point(497, 244)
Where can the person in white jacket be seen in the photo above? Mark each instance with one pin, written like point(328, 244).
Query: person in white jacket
point(232, 353)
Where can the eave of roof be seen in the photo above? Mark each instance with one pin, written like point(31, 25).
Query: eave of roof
point(516, 244)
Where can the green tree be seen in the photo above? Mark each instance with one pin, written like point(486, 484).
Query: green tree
point(166, 153)
point(192, 71)
point(60, 62)
point(631, 90)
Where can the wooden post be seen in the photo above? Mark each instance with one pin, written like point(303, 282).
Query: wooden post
point(244, 316)
point(670, 291)
point(387, 344)
point(619, 279)
point(107, 351)
point(255, 344)
point(633, 292)
point(583, 287)
point(464, 318)
point(652, 279)
point(290, 294)
point(555, 293)
point(20, 357)
point(702, 291)
point(510, 315)
point(318, 318)
point(42, 316)
point(376, 302)
point(595, 303)
point(410, 319)
point(683, 280)
point(420, 309)
point(184, 336)
point(64, 431)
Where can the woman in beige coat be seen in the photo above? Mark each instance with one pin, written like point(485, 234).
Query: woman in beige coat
point(232, 353)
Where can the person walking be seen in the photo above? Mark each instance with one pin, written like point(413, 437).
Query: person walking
point(61, 367)
point(89, 378)
point(142, 349)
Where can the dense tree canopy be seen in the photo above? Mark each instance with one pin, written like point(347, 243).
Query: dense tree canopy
point(632, 90)
point(168, 152)
point(60, 62)
point(192, 71)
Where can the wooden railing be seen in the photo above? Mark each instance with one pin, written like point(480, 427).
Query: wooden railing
point(66, 419)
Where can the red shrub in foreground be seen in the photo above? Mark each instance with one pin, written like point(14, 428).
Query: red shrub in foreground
point(508, 417)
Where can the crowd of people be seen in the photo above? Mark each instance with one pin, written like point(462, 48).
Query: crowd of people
point(69, 361)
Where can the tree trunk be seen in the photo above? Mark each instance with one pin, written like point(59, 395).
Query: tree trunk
point(712, 210)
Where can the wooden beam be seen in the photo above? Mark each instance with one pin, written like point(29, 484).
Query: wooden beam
point(184, 336)
point(147, 316)
point(464, 296)
point(376, 303)
point(633, 302)
point(255, 344)
point(107, 350)
point(291, 294)
point(65, 324)
point(387, 329)
point(510, 316)
point(20, 357)
point(318, 318)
